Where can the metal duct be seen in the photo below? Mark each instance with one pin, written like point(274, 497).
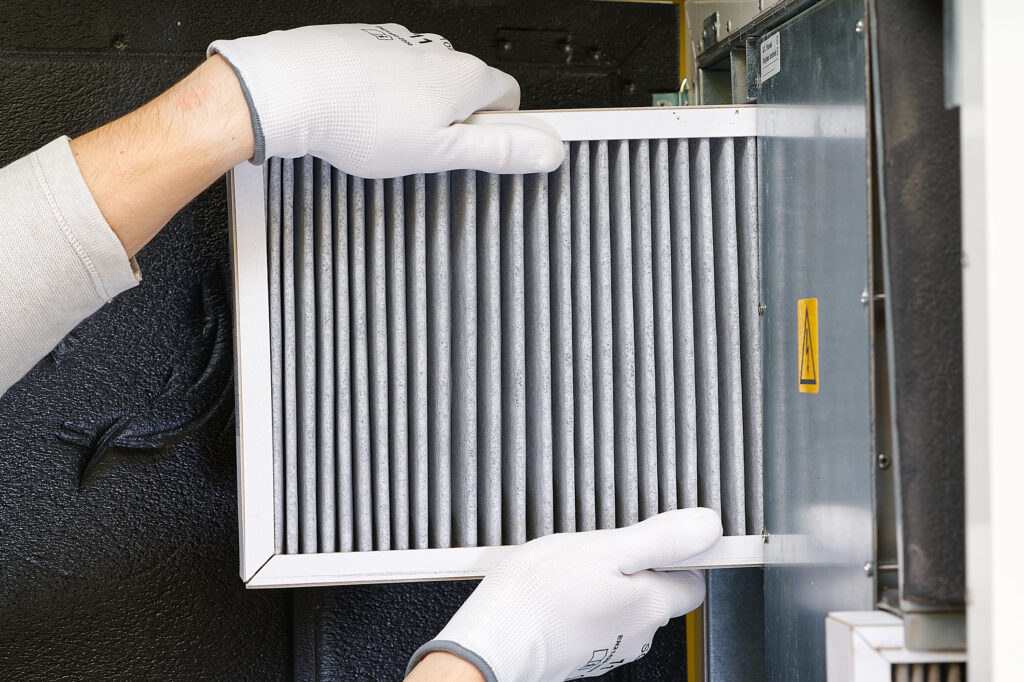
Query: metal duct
point(465, 359)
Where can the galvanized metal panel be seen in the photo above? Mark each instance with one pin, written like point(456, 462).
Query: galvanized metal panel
point(815, 229)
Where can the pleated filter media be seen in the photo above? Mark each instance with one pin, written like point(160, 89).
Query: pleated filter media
point(468, 360)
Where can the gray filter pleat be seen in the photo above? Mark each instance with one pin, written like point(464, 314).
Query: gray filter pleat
point(342, 366)
point(513, 377)
point(682, 319)
point(704, 327)
point(398, 346)
point(623, 339)
point(325, 401)
point(604, 361)
point(291, 428)
point(564, 464)
point(643, 307)
point(377, 343)
point(273, 174)
point(416, 248)
point(439, 360)
point(464, 359)
point(582, 352)
point(363, 491)
point(750, 327)
point(727, 299)
point(661, 274)
point(305, 348)
point(489, 359)
point(539, 453)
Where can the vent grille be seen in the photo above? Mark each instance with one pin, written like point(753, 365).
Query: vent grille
point(929, 672)
point(465, 359)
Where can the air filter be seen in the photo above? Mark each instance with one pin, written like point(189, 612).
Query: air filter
point(432, 368)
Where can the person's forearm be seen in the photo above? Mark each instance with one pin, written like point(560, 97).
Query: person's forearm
point(444, 666)
point(146, 166)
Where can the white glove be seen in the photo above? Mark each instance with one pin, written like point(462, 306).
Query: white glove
point(579, 604)
point(381, 101)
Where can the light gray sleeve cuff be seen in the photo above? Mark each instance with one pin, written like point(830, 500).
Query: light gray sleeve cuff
point(59, 259)
point(456, 649)
point(77, 217)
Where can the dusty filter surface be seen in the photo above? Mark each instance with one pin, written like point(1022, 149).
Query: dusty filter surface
point(464, 359)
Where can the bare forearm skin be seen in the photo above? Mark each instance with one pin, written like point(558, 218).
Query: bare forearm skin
point(440, 665)
point(146, 166)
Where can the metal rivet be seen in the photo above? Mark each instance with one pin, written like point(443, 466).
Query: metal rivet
point(505, 46)
point(728, 26)
point(567, 47)
point(761, 308)
point(869, 569)
point(884, 462)
point(765, 536)
point(864, 297)
point(595, 55)
point(859, 28)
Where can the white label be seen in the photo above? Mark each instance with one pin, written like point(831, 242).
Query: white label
point(771, 58)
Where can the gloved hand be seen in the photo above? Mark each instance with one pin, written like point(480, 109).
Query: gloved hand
point(381, 101)
point(577, 605)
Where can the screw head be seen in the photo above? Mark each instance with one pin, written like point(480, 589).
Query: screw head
point(869, 569)
point(595, 55)
point(864, 297)
point(567, 47)
point(761, 308)
point(859, 28)
point(728, 26)
point(884, 461)
point(505, 46)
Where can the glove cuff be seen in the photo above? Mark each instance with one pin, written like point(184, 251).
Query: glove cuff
point(260, 143)
point(455, 649)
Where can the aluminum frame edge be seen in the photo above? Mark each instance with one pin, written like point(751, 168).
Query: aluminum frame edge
point(247, 211)
point(455, 563)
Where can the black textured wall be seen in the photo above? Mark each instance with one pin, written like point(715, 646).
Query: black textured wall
point(118, 534)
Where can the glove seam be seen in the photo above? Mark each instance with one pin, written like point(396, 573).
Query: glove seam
point(456, 649)
point(259, 141)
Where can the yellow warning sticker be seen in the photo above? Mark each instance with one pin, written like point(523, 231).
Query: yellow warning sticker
point(807, 334)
